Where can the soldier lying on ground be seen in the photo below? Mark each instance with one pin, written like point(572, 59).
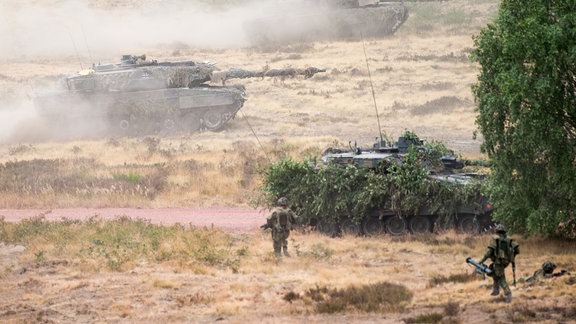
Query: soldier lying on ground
point(545, 272)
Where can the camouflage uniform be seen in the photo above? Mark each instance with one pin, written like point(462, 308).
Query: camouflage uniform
point(502, 252)
point(545, 272)
point(280, 221)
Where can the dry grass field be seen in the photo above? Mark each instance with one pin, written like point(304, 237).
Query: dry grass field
point(133, 271)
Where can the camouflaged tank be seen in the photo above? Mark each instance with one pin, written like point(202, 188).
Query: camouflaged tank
point(305, 21)
point(472, 216)
point(137, 96)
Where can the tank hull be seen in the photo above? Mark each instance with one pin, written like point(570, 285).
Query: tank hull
point(141, 112)
point(472, 218)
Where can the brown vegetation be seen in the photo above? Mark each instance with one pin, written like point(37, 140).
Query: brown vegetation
point(134, 271)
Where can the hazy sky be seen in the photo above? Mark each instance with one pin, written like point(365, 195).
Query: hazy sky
point(70, 26)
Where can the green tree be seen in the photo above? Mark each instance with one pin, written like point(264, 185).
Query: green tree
point(527, 113)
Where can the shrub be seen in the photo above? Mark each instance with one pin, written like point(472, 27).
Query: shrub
point(380, 297)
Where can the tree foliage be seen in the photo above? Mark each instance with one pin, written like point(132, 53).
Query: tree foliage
point(526, 96)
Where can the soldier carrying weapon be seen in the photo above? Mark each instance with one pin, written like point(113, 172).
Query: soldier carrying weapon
point(502, 251)
point(280, 221)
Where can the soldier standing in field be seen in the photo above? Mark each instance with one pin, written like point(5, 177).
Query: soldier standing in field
point(502, 251)
point(280, 221)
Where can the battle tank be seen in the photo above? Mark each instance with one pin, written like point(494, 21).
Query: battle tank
point(380, 154)
point(305, 21)
point(137, 96)
point(470, 216)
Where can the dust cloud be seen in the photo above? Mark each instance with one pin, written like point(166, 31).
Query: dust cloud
point(92, 31)
point(13, 118)
point(23, 123)
point(55, 28)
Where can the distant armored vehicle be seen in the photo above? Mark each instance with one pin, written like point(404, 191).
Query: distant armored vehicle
point(136, 96)
point(304, 21)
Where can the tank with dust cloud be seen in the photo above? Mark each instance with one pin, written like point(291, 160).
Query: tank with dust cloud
point(138, 96)
point(304, 21)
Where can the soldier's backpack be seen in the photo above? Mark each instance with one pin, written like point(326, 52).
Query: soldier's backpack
point(283, 219)
point(505, 250)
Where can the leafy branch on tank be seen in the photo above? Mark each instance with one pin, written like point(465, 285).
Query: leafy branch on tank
point(381, 189)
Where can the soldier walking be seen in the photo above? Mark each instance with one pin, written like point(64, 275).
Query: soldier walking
point(502, 251)
point(280, 221)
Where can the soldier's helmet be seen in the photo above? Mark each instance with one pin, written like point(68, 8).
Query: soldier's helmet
point(500, 228)
point(283, 202)
point(548, 266)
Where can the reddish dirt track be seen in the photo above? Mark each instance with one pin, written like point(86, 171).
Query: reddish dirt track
point(228, 218)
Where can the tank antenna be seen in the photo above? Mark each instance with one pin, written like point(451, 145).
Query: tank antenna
point(75, 49)
point(86, 42)
point(371, 87)
point(253, 132)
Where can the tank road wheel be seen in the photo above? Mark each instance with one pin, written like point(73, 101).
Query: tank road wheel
point(213, 119)
point(190, 122)
point(396, 225)
point(441, 226)
point(372, 226)
point(468, 224)
point(124, 124)
point(348, 227)
point(419, 224)
point(327, 227)
point(169, 124)
point(489, 228)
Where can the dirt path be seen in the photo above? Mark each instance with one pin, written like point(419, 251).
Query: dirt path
point(229, 218)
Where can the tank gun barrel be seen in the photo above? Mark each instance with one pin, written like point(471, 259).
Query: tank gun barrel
point(236, 73)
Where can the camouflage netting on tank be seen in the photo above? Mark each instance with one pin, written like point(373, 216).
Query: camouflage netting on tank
point(152, 77)
point(329, 192)
point(189, 76)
